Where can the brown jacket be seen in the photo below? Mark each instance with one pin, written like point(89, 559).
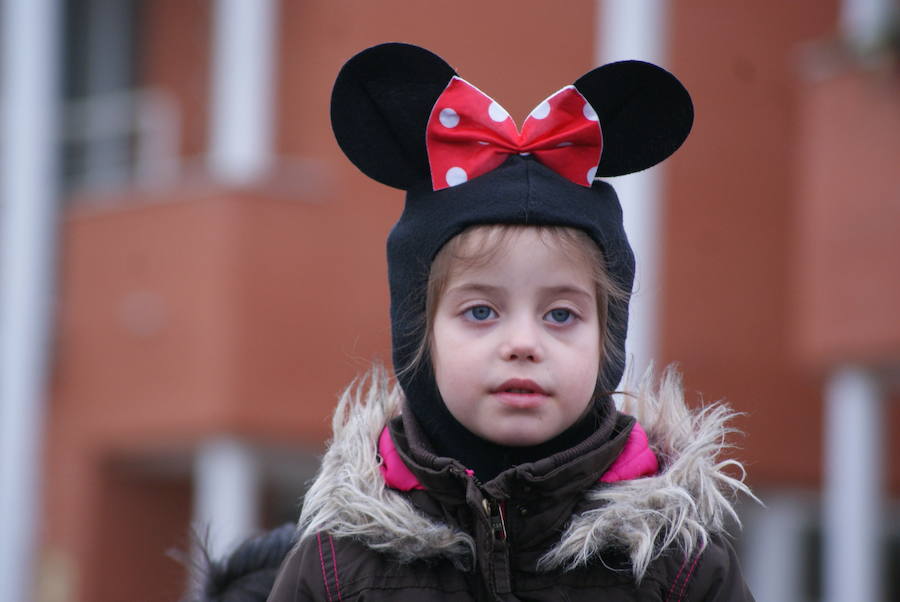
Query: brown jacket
point(542, 531)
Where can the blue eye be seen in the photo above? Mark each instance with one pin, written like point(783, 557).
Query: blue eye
point(479, 313)
point(560, 315)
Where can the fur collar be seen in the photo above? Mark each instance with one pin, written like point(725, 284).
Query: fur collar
point(689, 500)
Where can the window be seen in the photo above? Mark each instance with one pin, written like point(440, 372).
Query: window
point(114, 133)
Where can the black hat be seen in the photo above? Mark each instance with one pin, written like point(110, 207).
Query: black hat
point(387, 97)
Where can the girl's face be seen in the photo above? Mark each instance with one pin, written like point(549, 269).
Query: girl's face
point(515, 340)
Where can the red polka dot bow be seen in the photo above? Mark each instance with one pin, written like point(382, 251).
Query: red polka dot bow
point(470, 134)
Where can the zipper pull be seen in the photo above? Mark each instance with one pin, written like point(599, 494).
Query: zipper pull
point(502, 519)
point(498, 522)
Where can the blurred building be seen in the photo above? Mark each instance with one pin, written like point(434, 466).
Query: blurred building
point(221, 277)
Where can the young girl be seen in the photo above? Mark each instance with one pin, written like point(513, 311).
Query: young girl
point(499, 467)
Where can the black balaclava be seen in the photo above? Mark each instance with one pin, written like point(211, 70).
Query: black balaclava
point(381, 104)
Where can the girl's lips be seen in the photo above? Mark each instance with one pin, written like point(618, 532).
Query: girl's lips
point(521, 401)
point(520, 385)
point(520, 393)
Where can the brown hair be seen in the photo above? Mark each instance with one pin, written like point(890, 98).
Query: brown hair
point(457, 254)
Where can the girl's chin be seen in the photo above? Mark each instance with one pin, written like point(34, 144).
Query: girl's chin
point(517, 437)
point(520, 442)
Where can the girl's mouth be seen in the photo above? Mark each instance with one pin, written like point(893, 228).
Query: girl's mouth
point(520, 393)
point(520, 386)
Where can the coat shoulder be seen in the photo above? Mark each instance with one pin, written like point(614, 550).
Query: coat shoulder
point(291, 584)
point(711, 573)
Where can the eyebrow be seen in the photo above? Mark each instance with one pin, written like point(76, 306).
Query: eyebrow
point(566, 289)
point(474, 287)
point(487, 289)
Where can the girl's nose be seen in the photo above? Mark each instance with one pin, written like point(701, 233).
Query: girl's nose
point(521, 343)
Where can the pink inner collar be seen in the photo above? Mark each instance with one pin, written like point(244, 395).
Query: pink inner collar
point(636, 460)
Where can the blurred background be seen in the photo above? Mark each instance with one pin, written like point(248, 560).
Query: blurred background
point(191, 271)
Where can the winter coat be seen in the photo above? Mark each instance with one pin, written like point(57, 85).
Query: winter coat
point(246, 574)
point(572, 529)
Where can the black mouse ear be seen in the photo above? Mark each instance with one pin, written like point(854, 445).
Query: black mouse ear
point(380, 106)
point(644, 112)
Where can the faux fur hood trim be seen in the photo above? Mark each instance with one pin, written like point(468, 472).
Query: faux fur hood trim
point(349, 498)
point(690, 499)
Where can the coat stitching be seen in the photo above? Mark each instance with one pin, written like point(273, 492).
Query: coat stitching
point(337, 581)
point(687, 577)
point(675, 580)
point(322, 562)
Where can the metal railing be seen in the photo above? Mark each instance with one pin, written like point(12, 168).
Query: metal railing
point(122, 139)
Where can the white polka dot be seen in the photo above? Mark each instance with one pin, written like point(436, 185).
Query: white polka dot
point(562, 144)
point(449, 118)
point(482, 143)
point(456, 176)
point(592, 172)
point(524, 154)
point(541, 111)
point(589, 112)
point(497, 112)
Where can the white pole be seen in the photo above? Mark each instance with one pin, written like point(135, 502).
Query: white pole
point(852, 505)
point(773, 545)
point(242, 99)
point(863, 22)
point(29, 71)
point(226, 493)
point(636, 29)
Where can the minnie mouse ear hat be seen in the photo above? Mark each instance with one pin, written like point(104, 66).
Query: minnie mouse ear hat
point(404, 118)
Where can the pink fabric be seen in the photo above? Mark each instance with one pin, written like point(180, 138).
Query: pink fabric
point(636, 460)
point(394, 471)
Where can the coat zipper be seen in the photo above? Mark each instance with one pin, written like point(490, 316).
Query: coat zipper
point(495, 514)
point(499, 579)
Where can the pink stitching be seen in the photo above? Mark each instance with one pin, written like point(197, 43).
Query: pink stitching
point(675, 581)
point(322, 561)
point(687, 578)
point(337, 581)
